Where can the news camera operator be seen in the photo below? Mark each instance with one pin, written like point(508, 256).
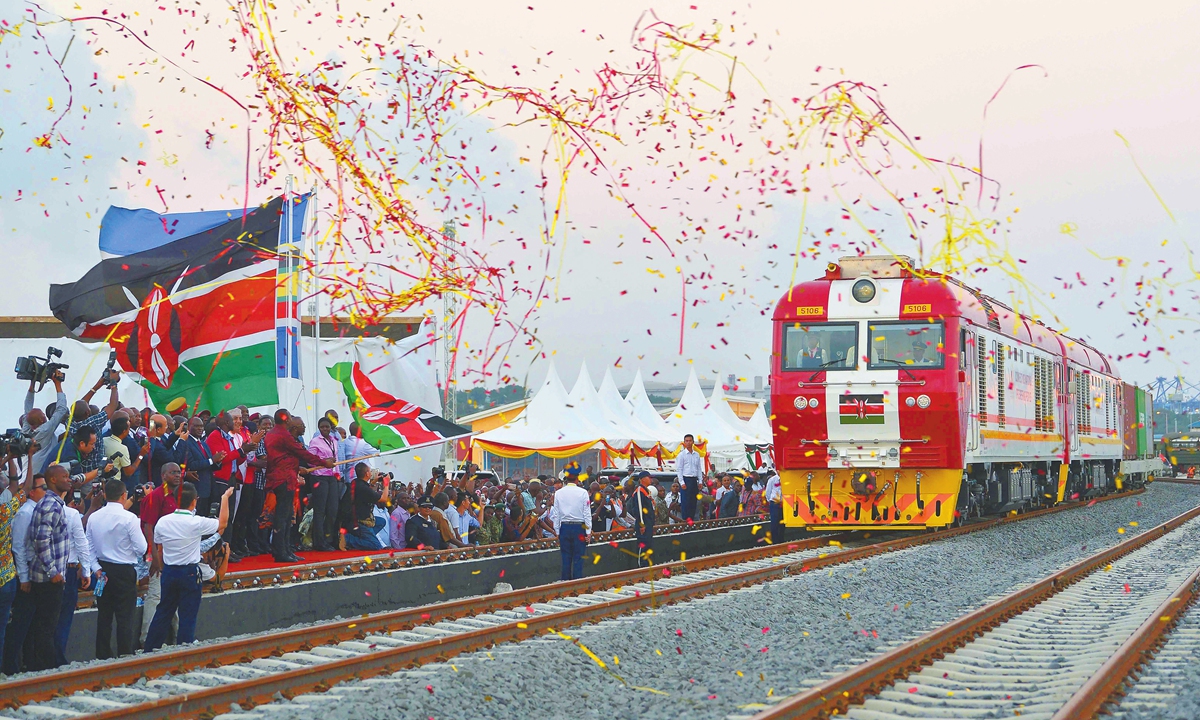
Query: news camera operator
point(359, 518)
point(83, 445)
point(42, 426)
point(81, 416)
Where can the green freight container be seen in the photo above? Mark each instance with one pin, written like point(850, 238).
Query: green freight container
point(1145, 411)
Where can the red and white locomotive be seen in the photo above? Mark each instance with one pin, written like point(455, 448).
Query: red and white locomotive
point(905, 399)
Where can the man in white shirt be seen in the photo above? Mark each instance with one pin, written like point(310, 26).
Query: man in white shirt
point(688, 469)
point(23, 605)
point(177, 537)
point(572, 523)
point(351, 448)
point(773, 496)
point(118, 543)
point(81, 565)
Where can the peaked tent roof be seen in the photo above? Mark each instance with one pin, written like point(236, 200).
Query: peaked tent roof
point(585, 403)
point(548, 421)
point(718, 404)
point(760, 424)
point(644, 412)
point(616, 408)
point(696, 416)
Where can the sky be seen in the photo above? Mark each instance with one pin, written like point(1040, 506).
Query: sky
point(1090, 142)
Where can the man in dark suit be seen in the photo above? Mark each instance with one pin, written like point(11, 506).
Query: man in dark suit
point(199, 461)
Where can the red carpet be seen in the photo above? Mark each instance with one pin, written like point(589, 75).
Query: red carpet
point(266, 562)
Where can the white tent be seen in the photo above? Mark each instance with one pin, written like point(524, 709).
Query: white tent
point(645, 413)
point(621, 410)
point(718, 404)
point(760, 424)
point(585, 403)
point(696, 416)
point(548, 422)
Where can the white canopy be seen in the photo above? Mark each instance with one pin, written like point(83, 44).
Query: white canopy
point(585, 403)
point(619, 410)
point(719, 405)
point(644, 412)
point(760, 424)
point(696, 416)
point(548, 422)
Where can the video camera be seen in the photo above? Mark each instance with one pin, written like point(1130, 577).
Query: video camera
point(14, 443)
point(42, 370)
point(107, 377)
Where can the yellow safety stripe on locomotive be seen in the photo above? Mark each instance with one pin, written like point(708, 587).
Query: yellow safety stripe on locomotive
point(825, 505)
point(1019, 436)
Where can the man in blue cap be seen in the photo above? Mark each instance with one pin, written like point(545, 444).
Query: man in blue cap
point(572, 522)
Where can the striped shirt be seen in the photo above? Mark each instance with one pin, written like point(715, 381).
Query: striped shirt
point(50, 538)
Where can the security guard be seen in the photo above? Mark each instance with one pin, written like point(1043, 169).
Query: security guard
point(572, 522)
point(643, 518)
point(177, 537)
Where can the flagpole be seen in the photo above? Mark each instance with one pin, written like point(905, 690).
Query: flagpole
point(316, 281)
point(283, 380)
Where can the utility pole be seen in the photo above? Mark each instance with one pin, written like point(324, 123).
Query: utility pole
point(449, 347)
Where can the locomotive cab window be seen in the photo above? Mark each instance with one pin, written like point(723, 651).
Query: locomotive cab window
point(906, 344)
point(820, 346)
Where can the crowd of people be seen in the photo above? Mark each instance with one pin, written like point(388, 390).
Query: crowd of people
point(117, 498)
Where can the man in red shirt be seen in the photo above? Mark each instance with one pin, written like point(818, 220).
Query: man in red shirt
point(284, 454)
point(158, 503)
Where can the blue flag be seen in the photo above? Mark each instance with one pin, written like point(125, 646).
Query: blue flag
point(125, 232)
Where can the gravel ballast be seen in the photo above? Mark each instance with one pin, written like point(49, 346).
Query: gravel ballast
point(726, 655)
point(1168, 688)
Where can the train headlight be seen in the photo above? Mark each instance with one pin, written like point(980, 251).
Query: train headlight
point(910, 401)
point(800, 403)
point(923, 401)
point(893, 452)
point(863, 291)
point(833, 452)
point(813, 403)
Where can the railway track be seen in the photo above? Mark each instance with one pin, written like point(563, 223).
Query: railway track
point(1057, 648)
point(200, 680)
point(397, 559)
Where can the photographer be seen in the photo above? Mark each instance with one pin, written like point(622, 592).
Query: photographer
point(83, 446)
point(38, 427)
point(81, 416)
point(360, 528)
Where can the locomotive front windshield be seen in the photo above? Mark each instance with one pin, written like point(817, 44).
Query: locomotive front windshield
point(820, 346)
point(907, 344)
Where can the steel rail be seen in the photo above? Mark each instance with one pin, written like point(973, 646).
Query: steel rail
point(131, 668)
point(1106, 683)
point(396, 559)
point(123, 671)
point(252, 692)
point(835, 695)
point(256, 691)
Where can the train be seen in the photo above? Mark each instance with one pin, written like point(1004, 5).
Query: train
point(1181, 450)
point(905, 399)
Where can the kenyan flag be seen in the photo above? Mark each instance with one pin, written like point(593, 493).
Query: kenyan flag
point(860, 410)
point(387, 422)
point(191, 319)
